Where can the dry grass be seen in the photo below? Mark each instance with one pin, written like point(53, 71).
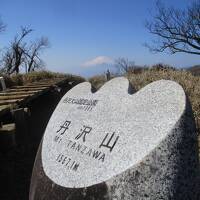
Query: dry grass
point(190, 83)
point(23, 79)
point(97, 81)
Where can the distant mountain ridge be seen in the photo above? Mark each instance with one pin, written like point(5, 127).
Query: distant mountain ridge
point(195, 70)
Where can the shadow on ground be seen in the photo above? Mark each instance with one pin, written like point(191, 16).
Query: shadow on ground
point(16, 164)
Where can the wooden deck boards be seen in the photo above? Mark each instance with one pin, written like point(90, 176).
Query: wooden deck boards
point(10, 97)
point(26, 89)
point(2, 94)
point(14, 96)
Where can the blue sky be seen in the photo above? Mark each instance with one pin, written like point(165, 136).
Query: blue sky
point(84, 33)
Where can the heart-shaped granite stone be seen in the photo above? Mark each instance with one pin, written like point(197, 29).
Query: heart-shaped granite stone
point(115, 145)
point(92, 137)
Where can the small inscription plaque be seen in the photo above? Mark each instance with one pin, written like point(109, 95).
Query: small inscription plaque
point(82, 104)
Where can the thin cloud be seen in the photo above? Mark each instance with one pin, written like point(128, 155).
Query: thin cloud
point(98, 61)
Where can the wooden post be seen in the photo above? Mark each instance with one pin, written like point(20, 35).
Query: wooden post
point(3, 85)
point(21, 120)
point(7, 137)
point(7, 147)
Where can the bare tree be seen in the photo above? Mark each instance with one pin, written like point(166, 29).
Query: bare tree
point(33, 60)
point(177, 30)
point(23, 54)
point(123, 65)
point(2, 26)
point(8, 62)
point(15, 55)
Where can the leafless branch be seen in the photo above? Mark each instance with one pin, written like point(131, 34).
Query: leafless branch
point(2, 26)
point(33, 56)
point(123, 65)
point(176, 30)
point(22, 54)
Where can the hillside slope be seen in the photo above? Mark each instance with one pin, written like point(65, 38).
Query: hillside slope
point(195, 70)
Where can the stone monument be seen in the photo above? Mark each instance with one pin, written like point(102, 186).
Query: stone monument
point(115, 145)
